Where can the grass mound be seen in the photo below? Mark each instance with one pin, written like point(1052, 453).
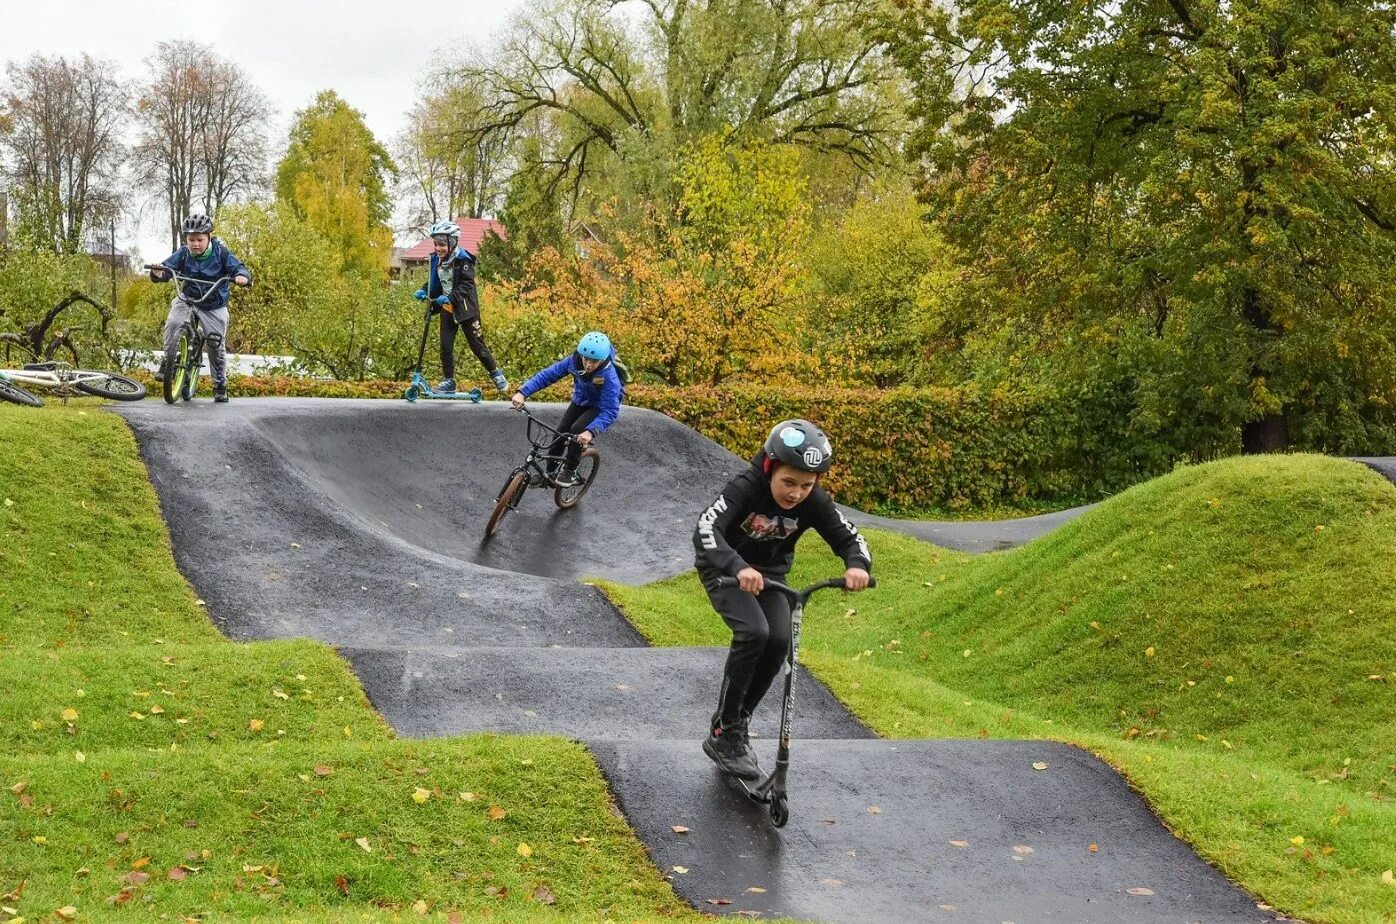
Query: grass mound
point(1224, 634)
point(151, 769)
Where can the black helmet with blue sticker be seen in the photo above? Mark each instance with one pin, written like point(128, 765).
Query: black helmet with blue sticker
point(801, 444)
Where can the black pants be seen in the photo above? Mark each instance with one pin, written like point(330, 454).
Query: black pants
point(574, 420)
point(760, 642)
point(474, 335)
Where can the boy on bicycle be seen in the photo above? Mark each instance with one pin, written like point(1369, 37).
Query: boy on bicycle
point(203, 257)
point(451, 288)
point(749, 533)
point(596, 397)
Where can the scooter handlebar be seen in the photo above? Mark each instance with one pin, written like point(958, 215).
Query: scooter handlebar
point(802, 594)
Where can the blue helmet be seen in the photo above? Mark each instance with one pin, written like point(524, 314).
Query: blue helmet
point(595, 346)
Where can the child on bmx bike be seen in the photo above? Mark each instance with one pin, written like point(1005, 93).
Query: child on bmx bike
point(202, 258)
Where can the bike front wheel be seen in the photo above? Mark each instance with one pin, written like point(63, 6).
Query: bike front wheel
point(177, 366)
point(110, 385)
point(587, 467)
point(9, 391)
point(508, 499)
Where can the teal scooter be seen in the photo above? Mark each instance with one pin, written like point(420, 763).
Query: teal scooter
point(420, 387)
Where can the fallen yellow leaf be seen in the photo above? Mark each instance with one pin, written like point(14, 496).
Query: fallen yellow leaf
point(1389, 878)
point(681, 869)
point(960, 844)
point(421, 795)
point(70, 715)
point(363, 843)
point(80, 757)
point(420, 906)
point(524, 850)
point(1149, 652)
point(256, 725)
point(1039, 765)
point(1297, 840)
point(67, 912)
point(497, 813)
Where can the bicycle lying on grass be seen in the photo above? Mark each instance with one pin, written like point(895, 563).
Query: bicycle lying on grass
point(182, 362)
point(65, 381)
point(533, 472)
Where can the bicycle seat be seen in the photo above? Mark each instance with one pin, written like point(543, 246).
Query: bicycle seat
point(40, 367)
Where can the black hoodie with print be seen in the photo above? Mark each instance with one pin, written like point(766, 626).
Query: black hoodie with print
point(746, 527)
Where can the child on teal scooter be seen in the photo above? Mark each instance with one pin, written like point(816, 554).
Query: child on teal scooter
point(458, 304)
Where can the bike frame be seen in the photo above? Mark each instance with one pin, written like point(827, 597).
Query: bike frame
point(62, 378)
point(537, 458)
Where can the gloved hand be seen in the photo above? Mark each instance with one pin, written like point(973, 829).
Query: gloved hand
point(443, 300)
point(420, 295)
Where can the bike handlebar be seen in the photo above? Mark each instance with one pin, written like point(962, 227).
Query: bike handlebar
point(800, 595)
point(212, 284)
point(570, 437)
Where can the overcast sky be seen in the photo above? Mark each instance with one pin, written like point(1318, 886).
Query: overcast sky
point(373, 53)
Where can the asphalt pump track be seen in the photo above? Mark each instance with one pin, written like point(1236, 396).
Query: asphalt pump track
point(358, 523)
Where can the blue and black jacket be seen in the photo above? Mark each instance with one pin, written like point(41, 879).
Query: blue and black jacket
point(216, 265)
point(599, 388)
point(465, 301)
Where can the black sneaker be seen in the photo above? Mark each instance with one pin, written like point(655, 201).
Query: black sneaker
point(220, 395)
point(568, 479)
point(731, 753)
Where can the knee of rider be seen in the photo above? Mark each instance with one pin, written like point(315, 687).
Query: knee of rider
point(757, 635)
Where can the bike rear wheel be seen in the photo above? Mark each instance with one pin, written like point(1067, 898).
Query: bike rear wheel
point(9, 391)
point(508, 499)
point(177, 366)
point(587, 467)
point(110, 385)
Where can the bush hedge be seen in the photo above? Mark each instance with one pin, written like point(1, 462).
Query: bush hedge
point(896, 449)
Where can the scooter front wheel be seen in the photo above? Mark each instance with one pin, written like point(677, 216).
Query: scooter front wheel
point(780, 810)
point(412, 393)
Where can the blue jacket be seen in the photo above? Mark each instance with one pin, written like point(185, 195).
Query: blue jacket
point(221, 264)
point(465, 301)
point(600, 389)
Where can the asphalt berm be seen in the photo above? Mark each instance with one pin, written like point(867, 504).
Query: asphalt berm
point(359, 523)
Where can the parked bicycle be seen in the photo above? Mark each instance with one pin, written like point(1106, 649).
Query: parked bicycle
point(65, 381)
point(184, 359)
point(533, 472)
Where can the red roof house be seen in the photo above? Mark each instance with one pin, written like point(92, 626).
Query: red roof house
point(472, 232)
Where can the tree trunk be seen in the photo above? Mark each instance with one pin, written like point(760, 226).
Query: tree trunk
point(1268, 434)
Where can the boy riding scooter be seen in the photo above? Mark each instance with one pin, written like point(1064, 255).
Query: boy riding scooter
point(748, 535)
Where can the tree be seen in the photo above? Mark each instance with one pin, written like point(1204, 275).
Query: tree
point(335, 177)
point(620, 77)
point(874, 276)
point(1190, 198)
point(61, 129)
point(531, 216)
point(709, 292)
point(47, 310)
point(451, 169)
point(202, 130)
point(335, 320)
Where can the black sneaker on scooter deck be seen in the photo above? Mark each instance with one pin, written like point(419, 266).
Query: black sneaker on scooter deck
point(728, 749)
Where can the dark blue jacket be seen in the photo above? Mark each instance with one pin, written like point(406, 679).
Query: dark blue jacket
point(221, 264)
point(599, 389)
point(465, 301)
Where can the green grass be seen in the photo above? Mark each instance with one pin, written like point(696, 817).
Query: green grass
point(135, 740)
point(1201, 632)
